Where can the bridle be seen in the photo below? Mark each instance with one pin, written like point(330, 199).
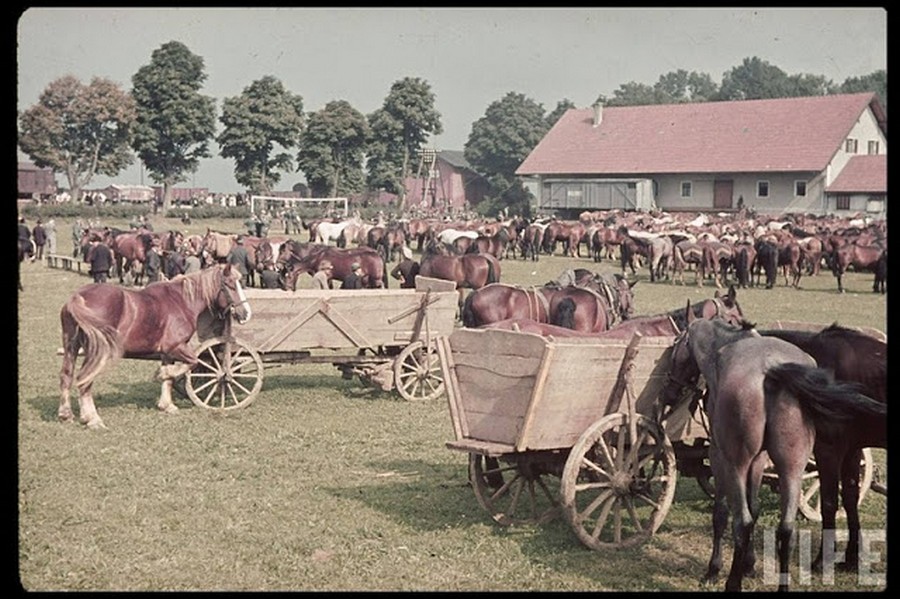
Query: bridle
point(230, 289)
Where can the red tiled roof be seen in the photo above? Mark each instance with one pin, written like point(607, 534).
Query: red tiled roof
point(787, 134)
point(862, 174)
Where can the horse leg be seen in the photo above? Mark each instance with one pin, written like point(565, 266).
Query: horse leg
point(754, 483)
point(741, 528)
point(87, 410)
point(169, 371)
point(719, 521)
point(850, 500)
point(64, 414)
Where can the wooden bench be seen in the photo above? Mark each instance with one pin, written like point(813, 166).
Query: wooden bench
point(67, 263)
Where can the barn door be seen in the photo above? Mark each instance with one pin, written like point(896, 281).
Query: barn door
point(723, 193)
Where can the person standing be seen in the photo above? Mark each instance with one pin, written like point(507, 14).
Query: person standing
point(153, 266)
point(40, 239)
point(322, 278)
point(174, 264)
point(191, 262)
point(240, 259)
point(77, 234)
point(50, 229)
point(355, 279)
point(406, 270)
point(99, 256)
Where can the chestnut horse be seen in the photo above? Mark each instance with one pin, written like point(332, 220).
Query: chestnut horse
point(111, 322)
point(296, 257)
point(468, 271)
point(599, 303)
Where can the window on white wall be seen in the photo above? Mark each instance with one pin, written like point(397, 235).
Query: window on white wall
point(873, 146)
point(850, 146)
point(687, 189)
point(875, 204)
point(842, 202)
point(762, 189)
point(800, 189)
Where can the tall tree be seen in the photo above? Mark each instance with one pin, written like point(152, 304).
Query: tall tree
point(79, 130)
point(561, 107)
point(384, 152)
point(400, 128)
point(500, 141)
point(633, 94)
point(873, 82)
point(332, 150)
point(174, 121)
point(755, 79)
point(264, 118)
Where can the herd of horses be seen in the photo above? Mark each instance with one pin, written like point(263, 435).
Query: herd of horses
point(770, 396)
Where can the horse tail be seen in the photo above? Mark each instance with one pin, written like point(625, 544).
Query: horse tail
point(492, 276)
point(565, 314)
point(384, 274)
point(468, 313)
point(828, 402)
point(742, 267)
point(99, 340)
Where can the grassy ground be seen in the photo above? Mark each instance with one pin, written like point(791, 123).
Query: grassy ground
point(324, 484)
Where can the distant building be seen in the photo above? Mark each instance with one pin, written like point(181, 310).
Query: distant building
point(445, 180)
point(774, 156)
point(135, 194)
point(861, 186)
point(36, 183)
point(181, 195)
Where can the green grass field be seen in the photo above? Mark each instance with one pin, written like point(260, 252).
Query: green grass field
point(323, 484)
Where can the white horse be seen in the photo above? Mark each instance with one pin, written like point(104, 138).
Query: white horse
point(327, 232)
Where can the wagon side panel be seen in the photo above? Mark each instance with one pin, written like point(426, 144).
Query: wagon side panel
point(582, 384)
point(346, 319)
point(496, 375)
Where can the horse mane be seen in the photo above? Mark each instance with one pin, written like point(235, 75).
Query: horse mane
point(203, 285)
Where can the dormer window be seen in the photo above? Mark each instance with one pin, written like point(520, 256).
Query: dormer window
point(850, 146)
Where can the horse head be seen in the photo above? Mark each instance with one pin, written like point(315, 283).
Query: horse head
point(230, 297)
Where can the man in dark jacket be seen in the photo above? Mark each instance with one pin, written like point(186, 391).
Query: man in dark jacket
point(354, 279)
point(406, 270)
point(153, 266)
point(100, 258)
point(240, 259)
point(40, 238)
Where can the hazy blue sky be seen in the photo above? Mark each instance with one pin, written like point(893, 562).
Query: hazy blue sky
point(470, 57)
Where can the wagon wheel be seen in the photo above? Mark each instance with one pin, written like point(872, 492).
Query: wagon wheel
point(811, 499)
point(227, 377)
point(616, 490)
point(522, 492)
point(417, 372)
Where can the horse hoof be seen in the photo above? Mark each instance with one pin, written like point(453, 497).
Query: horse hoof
point(96, 424)
point(66, 416)
point(170, 409)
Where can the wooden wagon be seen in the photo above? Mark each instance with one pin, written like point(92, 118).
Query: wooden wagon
point(563, 424)
point(573, 426)
point(385, 336)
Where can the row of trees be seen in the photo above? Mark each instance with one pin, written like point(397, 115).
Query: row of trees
point(83, 130)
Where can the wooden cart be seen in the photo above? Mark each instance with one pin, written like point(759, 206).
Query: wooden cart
point(564, 424)
point(382, 335)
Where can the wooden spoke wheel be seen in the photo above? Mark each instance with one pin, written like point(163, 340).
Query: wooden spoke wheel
point(524, 491)
point(417, 372)
point(616, 490)
point(810, 497)
point(228, 376)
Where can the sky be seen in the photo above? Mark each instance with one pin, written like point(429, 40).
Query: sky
point(470, 57)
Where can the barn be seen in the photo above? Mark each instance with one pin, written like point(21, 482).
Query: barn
point(129, 193)
point(774, 156)
point(861, 187)
point(445, 180)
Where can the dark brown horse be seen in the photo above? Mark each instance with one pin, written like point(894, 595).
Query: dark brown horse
point(599, 303)
point(130, 253)
point(861, 258)
point(295, 258)
point(766, 400)
point(111, 322)
point(469, 271)
point(856, 357)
